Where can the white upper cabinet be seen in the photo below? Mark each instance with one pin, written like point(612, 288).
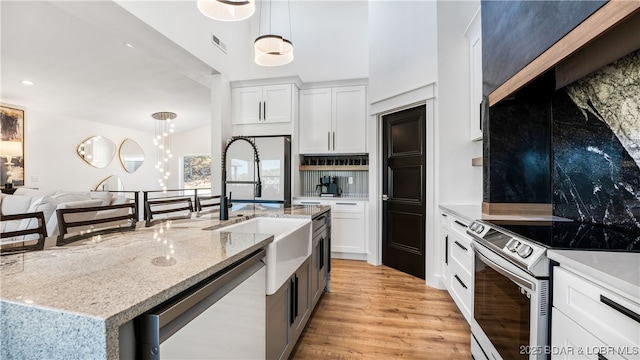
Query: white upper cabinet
point(333, 120)
point(315, 121)
point(474, 37)
point(262, 104)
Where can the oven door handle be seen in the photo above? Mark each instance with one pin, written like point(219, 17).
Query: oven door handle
point(508, 274)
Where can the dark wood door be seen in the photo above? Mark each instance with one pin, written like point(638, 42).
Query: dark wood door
point(403, 183)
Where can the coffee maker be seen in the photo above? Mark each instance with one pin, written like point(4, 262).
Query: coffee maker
point(329, 186)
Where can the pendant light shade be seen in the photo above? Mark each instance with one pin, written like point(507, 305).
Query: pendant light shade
point(227, 10)
point(270, 49)
point(273, 50)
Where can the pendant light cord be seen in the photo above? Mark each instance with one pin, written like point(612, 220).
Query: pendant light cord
point(290, 33)
point(260, 21)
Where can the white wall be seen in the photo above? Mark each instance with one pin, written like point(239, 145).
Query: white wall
point(50, 154)
point(196, 141)
point(459, 182)
point(221, 127)
point(402, 47)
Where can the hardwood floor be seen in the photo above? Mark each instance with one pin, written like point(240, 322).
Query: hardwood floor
point(376, 312)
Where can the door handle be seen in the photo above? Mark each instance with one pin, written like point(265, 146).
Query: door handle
point(619, 308)
point(334, 141)
point(446, 250)
point(264, 110)
point(329, 140)
point(385, 197)
point(259, 110)
point(460, 281)
point(292, 300)
point(461, 224)
point(460, 245)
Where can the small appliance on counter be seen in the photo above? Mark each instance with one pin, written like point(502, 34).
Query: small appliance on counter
point(328, 187)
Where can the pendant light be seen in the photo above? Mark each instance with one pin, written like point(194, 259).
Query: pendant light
point(162, 141)
point(227, 10)
point(270, 49)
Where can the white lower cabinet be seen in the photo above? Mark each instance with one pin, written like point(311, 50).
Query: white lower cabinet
point(458, 262)
point(569, 338)
point(348, 227)
point(590, 321)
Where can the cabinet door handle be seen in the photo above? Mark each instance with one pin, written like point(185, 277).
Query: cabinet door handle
point(328, 140)
point(334, 141)
point(310, 202)
point(444, 215)
point(259, 110)
point(619, 308)
point(343, 203)
point(292, 301)
point(321, 254)
point(461, 224)
point(264, 110)
point(460, 281)
point(460, 245)
point(296, 303)
point(446, 249)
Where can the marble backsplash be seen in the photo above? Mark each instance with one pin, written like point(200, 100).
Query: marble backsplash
point(576, 148)
point(596, 146)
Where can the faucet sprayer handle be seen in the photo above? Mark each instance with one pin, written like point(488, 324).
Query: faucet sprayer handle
point(258, 192)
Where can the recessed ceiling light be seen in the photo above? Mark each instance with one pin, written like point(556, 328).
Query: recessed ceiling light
point(128, 45)
point(27, 82)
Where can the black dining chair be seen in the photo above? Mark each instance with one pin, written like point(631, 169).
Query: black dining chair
point(168, 209)
point(85, 222)
point(21, 239)
point(207, 203)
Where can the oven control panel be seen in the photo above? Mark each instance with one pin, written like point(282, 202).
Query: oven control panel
point(528, 254)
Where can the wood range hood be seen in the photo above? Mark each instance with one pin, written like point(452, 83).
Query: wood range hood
point(603, 37)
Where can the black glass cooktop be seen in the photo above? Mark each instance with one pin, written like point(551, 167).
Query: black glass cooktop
point(573, 235)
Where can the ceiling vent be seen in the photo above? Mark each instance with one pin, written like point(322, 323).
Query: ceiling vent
point(217, 42)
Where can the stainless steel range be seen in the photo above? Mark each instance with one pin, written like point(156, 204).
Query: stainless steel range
point(511, 290)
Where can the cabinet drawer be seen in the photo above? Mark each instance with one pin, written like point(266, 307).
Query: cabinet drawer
point(461, 288)
point(444, 220)
point(461, 251)
point(309, 202)
point(348, 206)
point(460, 227)
point(570, 341)
point(613, 319)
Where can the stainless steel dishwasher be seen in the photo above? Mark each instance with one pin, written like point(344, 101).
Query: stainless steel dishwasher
point(221, 318)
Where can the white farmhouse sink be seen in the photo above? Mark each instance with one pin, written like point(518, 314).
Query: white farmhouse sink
point(291, 245)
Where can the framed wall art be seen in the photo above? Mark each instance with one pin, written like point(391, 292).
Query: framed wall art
point(11, 146)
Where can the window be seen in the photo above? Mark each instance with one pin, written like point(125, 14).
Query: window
point(196, 171)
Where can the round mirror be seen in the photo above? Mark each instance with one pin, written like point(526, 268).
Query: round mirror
point(112, 183)
point(131, 155)
point(97, 151)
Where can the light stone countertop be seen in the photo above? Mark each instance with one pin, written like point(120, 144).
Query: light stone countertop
point(466, 212)
point(74, 298)
point(616, 271)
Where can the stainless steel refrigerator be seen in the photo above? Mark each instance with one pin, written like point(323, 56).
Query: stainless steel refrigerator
point(275, 170)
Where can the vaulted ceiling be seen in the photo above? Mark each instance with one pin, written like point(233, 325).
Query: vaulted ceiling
point(76, 52)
